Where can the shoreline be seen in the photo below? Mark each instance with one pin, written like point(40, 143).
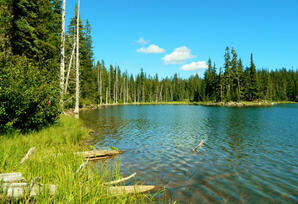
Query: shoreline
point(64, 138)
point(205, 103)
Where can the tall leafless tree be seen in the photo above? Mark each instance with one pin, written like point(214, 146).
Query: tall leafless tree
point(69, 66)
point(62, 65)
point(78, 62)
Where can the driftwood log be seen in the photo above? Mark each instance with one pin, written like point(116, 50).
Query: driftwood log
point(11, 177)
point(19, 190)
point(121, 180)
point(99, 154)
point(123, 190)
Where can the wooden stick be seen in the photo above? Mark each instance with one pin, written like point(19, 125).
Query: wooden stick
point(123, 190)
point(19, 190)
point(82, 166)
point(31, 150)
point(199, 145)
point(99, 153)
point(121, 180)
point(11, 177)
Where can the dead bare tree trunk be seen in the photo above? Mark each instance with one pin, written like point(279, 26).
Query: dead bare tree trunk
point(156, 94)
point(69, 66)
point(239, 88)
point(97, 67)
point(160, 94)
point(116, 86)
point(127, 90)
point(124, 91)
point(138, 94)
point(100, 85)
point(220, 93)
point(135, 94)
point(143, 95)
point(109, 90)
point(114, 93)
point(76, 111)
point(62, 65)
point(107, 98)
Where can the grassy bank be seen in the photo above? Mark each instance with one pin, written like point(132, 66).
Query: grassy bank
point(54, 162)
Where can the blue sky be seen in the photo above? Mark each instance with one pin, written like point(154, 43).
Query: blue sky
point(181, 35)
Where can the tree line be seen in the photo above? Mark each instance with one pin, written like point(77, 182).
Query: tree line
point(30, 77)
point(233, 82)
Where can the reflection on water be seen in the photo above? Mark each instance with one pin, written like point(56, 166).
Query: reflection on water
point(249, 154)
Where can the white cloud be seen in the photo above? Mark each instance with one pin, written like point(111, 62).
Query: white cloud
point(151, 49)
point(142, 41)
point(194, 66)
point(178, 56)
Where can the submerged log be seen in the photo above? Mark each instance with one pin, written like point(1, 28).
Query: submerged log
point(31, 150)
point(121, 180)
point(99, 154)
point(199, 145)
point(19, 190)
point(123, 190)
point(11, 177)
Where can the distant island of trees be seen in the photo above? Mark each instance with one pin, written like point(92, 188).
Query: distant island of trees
point(30, 45)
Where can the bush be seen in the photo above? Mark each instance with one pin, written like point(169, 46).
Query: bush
point(29, 94)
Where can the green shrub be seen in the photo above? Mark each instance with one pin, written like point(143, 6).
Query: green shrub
point(29, 94)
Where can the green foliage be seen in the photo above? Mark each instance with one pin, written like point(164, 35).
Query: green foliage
point(29, 61)
point(210, 81)
point(25, 94)
point(36, 25)
point(253, 89)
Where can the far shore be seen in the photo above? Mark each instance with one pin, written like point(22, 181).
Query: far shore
point(205, 103)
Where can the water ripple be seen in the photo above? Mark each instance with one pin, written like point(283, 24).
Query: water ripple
point(249, 154)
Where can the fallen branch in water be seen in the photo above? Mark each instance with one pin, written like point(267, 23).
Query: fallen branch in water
point(123, 190)
point(199, 145)
point(99, 154)
point(121, 180)
point(31, 150)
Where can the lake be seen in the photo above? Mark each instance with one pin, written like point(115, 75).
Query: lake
point(249, 154)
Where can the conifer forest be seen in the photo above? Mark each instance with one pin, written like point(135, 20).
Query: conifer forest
point(29, 76)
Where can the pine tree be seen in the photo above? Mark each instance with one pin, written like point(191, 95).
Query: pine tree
point(235, 94)
point(253, 85)
point(228, 75)
point(29, 63)
point(239, 75)
point(210, 81)
point(142, 84)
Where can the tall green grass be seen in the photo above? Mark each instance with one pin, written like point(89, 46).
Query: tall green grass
point(54, 162)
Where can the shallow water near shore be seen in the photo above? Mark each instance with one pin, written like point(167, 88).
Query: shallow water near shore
point(249, 154)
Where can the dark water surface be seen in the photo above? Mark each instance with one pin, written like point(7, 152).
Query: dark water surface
point(249, 155)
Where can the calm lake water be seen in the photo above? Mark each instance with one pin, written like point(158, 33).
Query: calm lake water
point(249, 155)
